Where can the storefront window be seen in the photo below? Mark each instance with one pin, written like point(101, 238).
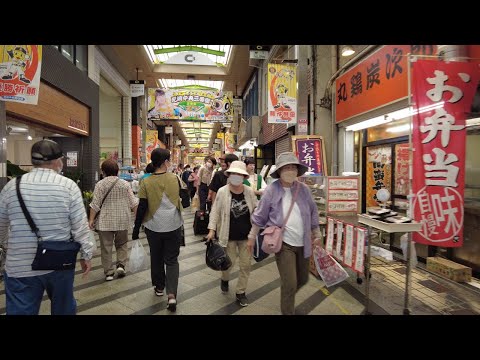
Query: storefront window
point(81, 60)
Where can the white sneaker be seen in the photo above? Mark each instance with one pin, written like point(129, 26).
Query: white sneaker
point(109, 277)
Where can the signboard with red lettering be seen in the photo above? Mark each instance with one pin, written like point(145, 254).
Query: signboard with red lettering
point(310, 150)
point(401, 169)
point(282, 94)
point(442, 94)
point(378, 80)
point(20, 67)
point(379, 172)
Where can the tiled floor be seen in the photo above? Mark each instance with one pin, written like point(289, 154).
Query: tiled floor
point(199, 291)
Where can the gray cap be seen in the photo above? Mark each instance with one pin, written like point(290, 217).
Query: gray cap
point(46, 150)
point(287, 158)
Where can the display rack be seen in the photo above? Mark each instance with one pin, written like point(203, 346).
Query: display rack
point(390, 228)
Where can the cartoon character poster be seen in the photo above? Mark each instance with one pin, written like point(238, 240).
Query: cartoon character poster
point(190, 104)
point(20, 67)
point(282, 94)
point(151, 142)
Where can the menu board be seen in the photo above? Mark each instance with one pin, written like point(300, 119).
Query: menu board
point(342, 194)
point(349, 238)
point(360, 249)
point(330, 230)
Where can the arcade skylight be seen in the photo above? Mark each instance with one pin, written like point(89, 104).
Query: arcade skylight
point(219, 54)
point(172, 83)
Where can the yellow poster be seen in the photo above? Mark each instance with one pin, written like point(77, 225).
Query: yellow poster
point(151, 143)
point(282, 94)
point(20, 67)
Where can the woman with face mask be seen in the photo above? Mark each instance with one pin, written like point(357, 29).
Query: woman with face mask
point(301, 227)
point(205, 177)
point(230, 218)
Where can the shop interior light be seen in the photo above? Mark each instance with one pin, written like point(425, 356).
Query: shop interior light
point(347, 50)
point(398, 128)
point(379, 120)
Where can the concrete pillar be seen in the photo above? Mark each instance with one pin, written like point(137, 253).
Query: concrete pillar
point(323, 117)
point(302, 91)
point(127, 130)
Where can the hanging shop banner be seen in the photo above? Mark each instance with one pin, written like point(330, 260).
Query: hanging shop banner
point(338, 245)
point(310, 150)
point(360, 249)
point(379, 172)
point(190, 104)
point(330, 231)
point(20, 67)
point(349, 239)
point(151, 142)
point(137, 88)
point(442, 94)
point(401, 169)
point(282, 94)
point(378, 80)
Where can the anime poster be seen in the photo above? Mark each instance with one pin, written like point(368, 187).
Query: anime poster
point(151, 143)
point(20, 67)
point(282, 94)
point(190, 104)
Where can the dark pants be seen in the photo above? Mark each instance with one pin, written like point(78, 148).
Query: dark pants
point(203, 194)
point(294, 269)
point(164, 251)
point(193, 191)
point(24, 295)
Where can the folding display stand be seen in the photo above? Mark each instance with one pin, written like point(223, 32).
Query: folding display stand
point(390, 228)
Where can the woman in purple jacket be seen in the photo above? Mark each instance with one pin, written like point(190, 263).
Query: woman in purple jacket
point(302, 226)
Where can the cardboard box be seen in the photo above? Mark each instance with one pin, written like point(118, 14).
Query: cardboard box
point(449, 269)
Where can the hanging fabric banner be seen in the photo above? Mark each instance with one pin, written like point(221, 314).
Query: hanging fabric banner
point(282, 94)
point(442, 93)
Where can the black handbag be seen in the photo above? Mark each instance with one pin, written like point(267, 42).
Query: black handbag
point(51, 254)
point(184, 194)
point(216, 257)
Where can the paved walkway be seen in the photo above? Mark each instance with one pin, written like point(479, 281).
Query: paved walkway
point(199, 290)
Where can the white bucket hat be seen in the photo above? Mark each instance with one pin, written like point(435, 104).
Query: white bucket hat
point(287, 158)
point(238, 167)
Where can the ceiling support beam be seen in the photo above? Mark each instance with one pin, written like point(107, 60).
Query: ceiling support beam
point(189, 48)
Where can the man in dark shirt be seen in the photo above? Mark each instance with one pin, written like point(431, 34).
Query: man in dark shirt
point(219, 178)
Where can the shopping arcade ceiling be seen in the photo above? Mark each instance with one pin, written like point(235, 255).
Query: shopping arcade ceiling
point(229, 71)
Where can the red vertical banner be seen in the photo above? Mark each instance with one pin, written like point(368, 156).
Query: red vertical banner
point(443, 94)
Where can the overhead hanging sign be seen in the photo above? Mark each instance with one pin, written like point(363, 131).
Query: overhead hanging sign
point(443, 94)
point(282, 94)
point(137, 88)
point(190, 104)
point(378, 80)
point(20, 67)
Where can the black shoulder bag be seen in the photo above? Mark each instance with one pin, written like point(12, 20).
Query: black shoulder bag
point(184, 194)
point(51, 254)
point(95, 219)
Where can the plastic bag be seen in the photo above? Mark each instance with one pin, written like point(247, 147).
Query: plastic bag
point(413, 252)
point(138, 257)
point(329, 269)
point(93, 242)
point(195, 203)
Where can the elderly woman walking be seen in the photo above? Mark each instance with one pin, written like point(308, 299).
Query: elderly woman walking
point(288, 203)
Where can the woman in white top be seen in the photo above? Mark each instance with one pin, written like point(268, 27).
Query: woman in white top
point(255, 181)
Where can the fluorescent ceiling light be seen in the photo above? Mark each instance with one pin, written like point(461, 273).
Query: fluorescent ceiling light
point(398, 128)
point(379, 120)
point(395, 115)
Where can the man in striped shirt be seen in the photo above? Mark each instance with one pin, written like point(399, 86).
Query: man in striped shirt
point(56, 206)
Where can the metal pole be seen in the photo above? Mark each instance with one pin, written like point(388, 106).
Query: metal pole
point(408, 280)
point(367, 272)
point(3, 145)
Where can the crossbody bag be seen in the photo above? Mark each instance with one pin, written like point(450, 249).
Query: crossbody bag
point(51, 254)
point(95, 219)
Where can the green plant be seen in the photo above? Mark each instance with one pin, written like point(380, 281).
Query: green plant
point(87, 196)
